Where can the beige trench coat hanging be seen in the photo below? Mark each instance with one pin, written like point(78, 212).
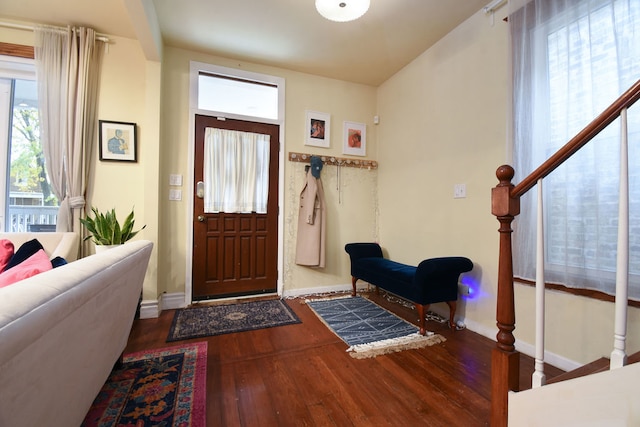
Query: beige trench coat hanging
point(310, 247)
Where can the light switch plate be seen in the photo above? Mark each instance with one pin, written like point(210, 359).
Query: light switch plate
point(460, 191)
point(175, 180)
point(175, 194)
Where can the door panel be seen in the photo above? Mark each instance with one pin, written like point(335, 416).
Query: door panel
point(235, 254)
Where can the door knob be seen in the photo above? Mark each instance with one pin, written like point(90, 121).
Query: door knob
point(201, 218)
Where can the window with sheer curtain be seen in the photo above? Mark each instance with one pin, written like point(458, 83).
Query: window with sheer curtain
point(236, 171)
point(571, 59)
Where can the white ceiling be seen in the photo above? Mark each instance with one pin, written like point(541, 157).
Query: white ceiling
point(283, 33)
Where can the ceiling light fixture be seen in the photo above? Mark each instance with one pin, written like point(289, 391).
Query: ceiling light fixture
point(342, 10)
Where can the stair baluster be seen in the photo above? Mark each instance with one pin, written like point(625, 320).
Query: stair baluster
point(539, 378)
point(619, 355)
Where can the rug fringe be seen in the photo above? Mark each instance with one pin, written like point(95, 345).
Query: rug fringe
point(328, 298)
point(413, 341)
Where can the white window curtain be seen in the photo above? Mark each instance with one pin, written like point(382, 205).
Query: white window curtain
point(570, 60)
point(68, 64)
point(236, 171)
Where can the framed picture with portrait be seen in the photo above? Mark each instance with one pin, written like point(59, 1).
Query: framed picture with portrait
point(318, 129)
point(118, 141)
point(355, 139)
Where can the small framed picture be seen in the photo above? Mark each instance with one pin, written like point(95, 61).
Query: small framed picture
point(318, 129)
point(118, 141)
point(355, 139)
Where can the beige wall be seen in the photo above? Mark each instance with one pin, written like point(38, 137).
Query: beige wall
point(443, 122)
point(349, 217)
point(128, 86)
point(129, 93)
point(8, 35)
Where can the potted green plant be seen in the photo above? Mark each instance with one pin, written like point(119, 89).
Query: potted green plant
point(105, 230)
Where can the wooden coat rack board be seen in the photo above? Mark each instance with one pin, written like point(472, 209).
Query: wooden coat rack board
point(335, 161)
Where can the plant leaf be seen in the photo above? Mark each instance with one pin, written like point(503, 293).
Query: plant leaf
point(105, 229)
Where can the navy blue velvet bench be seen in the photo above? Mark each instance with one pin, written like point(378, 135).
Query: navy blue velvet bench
point(433, 280)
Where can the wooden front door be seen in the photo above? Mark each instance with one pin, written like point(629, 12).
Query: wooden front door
point(234, 254)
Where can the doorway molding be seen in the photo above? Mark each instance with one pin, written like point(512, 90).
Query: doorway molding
point(194, 69)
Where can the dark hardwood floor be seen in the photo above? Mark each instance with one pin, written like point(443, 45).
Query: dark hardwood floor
point(300, 375)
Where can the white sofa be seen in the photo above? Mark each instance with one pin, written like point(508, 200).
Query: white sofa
point(61, 333)
point(55, 244)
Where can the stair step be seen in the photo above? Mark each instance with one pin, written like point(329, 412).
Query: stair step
point(594, 367)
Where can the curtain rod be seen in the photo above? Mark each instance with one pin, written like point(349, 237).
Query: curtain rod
point(100, 37)
point(493, 6)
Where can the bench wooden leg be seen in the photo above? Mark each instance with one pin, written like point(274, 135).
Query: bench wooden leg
point(353, 283)
point(452, 313)
point(422, 311)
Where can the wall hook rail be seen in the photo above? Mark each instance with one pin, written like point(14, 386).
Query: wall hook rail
point(334, 161)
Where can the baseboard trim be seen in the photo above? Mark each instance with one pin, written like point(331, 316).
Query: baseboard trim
point(295, 293)
point(552, 359)
point(149, 309)
point(172, 301)
point(524, 347)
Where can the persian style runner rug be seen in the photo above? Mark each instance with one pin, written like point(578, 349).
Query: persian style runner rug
point(198, 322)
point(162, 387)
point(369, 329)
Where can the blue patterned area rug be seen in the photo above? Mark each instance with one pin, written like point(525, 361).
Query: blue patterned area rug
point(159, 387)
point(206, 321)
point(369, 329)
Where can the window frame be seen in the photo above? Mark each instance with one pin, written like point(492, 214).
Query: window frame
point(530, 109)
point(22, 67)
point(197, 68)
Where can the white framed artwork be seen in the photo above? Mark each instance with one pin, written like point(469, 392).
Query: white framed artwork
point(318, 129)
point(355, 139)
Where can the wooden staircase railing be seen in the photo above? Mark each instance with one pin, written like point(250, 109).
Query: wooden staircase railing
point(505, 205)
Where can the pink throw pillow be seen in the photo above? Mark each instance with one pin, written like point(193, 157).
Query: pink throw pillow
point(36, 263)
point(6, 252)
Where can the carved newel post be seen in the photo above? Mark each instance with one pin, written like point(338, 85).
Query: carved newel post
point(505, 360)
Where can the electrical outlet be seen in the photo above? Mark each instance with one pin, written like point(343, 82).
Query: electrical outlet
point(463, 289)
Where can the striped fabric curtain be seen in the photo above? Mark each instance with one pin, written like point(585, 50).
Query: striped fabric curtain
point(236, 171)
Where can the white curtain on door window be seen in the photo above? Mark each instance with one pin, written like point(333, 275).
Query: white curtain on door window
point(571, 60)
point(236, 171)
